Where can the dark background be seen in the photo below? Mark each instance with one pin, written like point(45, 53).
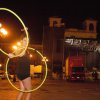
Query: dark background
point(35, 14)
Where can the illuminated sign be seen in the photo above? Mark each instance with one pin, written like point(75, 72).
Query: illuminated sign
point(77, 41)
point(89, 45)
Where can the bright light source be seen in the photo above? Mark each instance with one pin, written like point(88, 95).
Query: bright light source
point(18, 43)
point(3, 31)
point(31, 55)
point(0, 25)
point(46, 59)
point(15, 47)
point(0, 65)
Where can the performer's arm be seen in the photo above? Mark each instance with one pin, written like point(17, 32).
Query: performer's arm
point(16, 52)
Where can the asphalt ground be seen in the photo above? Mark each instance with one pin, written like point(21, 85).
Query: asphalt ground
point(55, 90)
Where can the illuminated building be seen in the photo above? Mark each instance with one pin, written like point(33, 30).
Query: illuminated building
point(59, 42)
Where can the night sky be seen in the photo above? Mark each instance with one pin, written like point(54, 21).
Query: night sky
point(35, 14)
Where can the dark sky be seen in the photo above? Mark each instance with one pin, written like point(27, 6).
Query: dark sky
point(35, 13)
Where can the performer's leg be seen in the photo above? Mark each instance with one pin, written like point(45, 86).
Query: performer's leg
point(28, 85)
point(22, 88)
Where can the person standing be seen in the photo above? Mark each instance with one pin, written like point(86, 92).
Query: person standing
point(23, 69)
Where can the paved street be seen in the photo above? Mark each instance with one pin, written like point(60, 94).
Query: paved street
point(56, 90)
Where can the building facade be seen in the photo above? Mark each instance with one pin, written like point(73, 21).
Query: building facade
point(60, 42)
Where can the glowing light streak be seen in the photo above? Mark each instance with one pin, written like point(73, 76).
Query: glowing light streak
point(26, 32)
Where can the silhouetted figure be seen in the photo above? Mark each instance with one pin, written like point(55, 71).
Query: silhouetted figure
point(95, 75)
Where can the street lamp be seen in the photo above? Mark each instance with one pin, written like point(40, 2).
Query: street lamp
point(3, 32)
point(0, 65)
point(18, 43)
point(0, 25)
point(14, 47)
point(31, 55)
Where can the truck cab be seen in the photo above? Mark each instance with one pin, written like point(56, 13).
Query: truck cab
point(75, 68)
point(78, 73)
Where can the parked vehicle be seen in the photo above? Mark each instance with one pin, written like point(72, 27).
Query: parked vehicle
point(75, 68)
